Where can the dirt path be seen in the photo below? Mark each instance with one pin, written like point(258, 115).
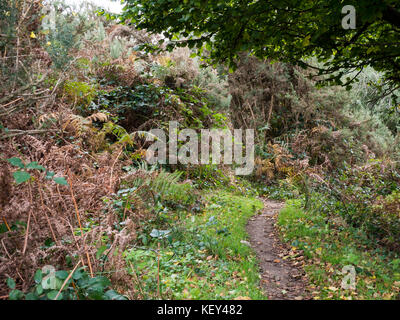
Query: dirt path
point(281, 268)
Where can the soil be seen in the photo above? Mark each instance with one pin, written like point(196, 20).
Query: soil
point(282, 274)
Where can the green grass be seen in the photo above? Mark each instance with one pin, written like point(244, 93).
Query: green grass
point(203, 258)
point(328, 246)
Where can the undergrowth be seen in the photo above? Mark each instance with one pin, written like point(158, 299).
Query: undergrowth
point(329, 245)
point(202, 256)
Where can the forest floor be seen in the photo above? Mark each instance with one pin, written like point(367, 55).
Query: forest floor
point(282, 275)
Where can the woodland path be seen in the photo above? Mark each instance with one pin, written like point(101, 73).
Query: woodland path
point(282, 275)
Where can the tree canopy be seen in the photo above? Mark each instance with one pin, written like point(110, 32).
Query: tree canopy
point(285, 30)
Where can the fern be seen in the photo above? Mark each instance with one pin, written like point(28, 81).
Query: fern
point(154, 181)
point(82, 125)
point(165, 182)
point(123, 136)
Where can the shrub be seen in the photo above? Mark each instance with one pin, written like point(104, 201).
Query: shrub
point(366, 197)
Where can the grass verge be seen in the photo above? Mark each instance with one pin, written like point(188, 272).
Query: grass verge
point(329, 246)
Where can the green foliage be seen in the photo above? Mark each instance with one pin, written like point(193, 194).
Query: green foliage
point(80, 286)
point(80, 93)
point(209, 176)
point(9, 19)
point(131, 106)
point(179, 69)
point(155, 191)
point(367, 196)
point(204, 257)
point(376, 117)
point(281, 190)
point(215, 86)
point(165, 183)
point(22, 176)
point(225, 28)
point(59, 43)
point(64, 30)
point(329, 245)
point(134, 106)
point(116, 49)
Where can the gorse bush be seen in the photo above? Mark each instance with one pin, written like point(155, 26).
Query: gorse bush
point(370, 94)
point(376, 116)
point(180, 69)
point(19, 24)
point(64, 29)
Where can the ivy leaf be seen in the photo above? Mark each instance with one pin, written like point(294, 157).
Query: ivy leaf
point(21, 176)
point(78, 274)
point(112, 295)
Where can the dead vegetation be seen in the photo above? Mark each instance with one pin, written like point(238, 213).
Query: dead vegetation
point(48, 116)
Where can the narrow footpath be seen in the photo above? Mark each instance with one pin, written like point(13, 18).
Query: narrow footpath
point(281, 267)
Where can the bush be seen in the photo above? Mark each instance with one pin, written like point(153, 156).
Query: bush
point(367, 197)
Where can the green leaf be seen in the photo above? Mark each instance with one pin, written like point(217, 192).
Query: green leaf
point(49, 174)
point(96, 294)
point(78, 274)
point(35, 165)
point(62, 274)
point(52, 295)
point(39, 289)
point(112, 295)
point(3, 228)
point(100, 251)
point(306, 41)
point(16, 295)
point(61, 180)
point(38, 276)
point(31, 296)
point(17, 162)
point(21, 176)
point(11, 283)
point(99, 283)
